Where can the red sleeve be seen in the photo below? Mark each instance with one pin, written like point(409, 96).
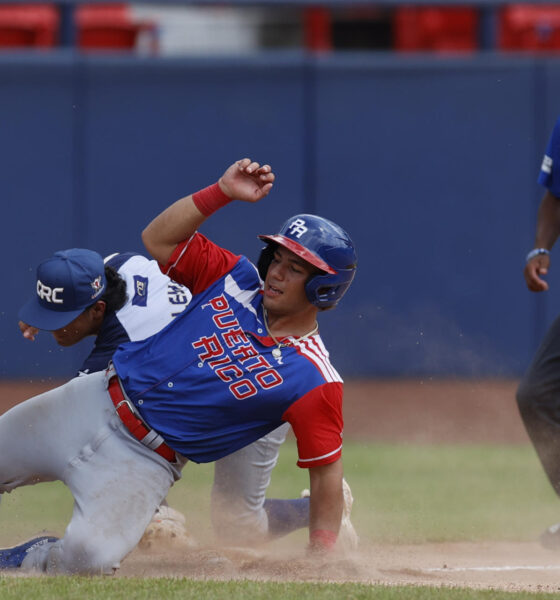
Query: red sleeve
point(198, 263)
point(316, 419)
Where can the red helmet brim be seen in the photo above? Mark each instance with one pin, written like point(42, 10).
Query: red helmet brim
point(300, 251)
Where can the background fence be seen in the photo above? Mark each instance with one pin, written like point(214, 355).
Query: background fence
point(429, 162)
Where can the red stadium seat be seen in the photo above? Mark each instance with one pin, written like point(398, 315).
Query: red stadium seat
point(529, 27)
point(110, 26)
point(28, 25)
point(435, 28)
point(317, 29)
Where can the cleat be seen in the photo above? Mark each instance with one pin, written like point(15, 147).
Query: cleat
point(12, 558)
point(347, 536)
point(550, 537)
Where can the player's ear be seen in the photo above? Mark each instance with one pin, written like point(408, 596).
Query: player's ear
point(97, 310)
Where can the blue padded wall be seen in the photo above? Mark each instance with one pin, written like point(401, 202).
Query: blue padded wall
point(430, 164)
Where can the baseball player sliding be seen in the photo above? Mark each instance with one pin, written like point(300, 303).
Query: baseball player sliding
point(242, 358)
point(137, 301)
point(538, 395)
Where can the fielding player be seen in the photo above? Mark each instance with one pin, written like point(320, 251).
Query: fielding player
point(538, 395)
point(131, 300)
point(241, 359)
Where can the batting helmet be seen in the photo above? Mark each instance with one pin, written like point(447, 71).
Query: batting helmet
point(323, 244)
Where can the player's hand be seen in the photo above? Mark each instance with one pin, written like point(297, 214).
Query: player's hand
point(28, 332)
point(246, 180)
point(534, 272)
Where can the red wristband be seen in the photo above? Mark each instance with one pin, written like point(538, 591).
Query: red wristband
point(210, 199)
point(322, 540)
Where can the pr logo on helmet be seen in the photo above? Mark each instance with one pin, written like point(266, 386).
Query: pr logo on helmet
point(297, 228)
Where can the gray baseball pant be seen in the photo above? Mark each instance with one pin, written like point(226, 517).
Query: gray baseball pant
point(238, 494)
point(73, 434)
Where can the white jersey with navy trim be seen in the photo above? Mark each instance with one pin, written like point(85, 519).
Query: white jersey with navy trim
point(153, 301)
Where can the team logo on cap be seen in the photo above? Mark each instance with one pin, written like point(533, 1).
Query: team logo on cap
point(49, 294)
point(297, 228)
point(97, 286)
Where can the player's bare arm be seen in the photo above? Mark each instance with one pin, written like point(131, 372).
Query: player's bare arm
point(326, 501)
point(548, 229)
point(245, 180)
point(176, 223)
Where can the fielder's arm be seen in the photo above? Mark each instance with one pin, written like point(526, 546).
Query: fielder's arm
point(325, 508)
point(27, 331)
point(244, 180)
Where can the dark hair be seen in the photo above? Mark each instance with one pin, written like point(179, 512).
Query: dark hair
point(265, 258)
point(115, 295)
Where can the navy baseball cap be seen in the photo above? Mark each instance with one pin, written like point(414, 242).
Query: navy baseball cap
point(67, 283)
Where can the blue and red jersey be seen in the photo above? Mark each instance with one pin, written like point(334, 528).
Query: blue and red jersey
point(209, 383)
point(549, 175)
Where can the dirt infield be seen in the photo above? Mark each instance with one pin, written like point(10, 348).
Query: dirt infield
point(428, 411)
point(420, 411)
point(499, 565)
point(413, 410)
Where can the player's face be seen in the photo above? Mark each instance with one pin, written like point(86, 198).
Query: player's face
point(86, 323)
point(284, 287)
